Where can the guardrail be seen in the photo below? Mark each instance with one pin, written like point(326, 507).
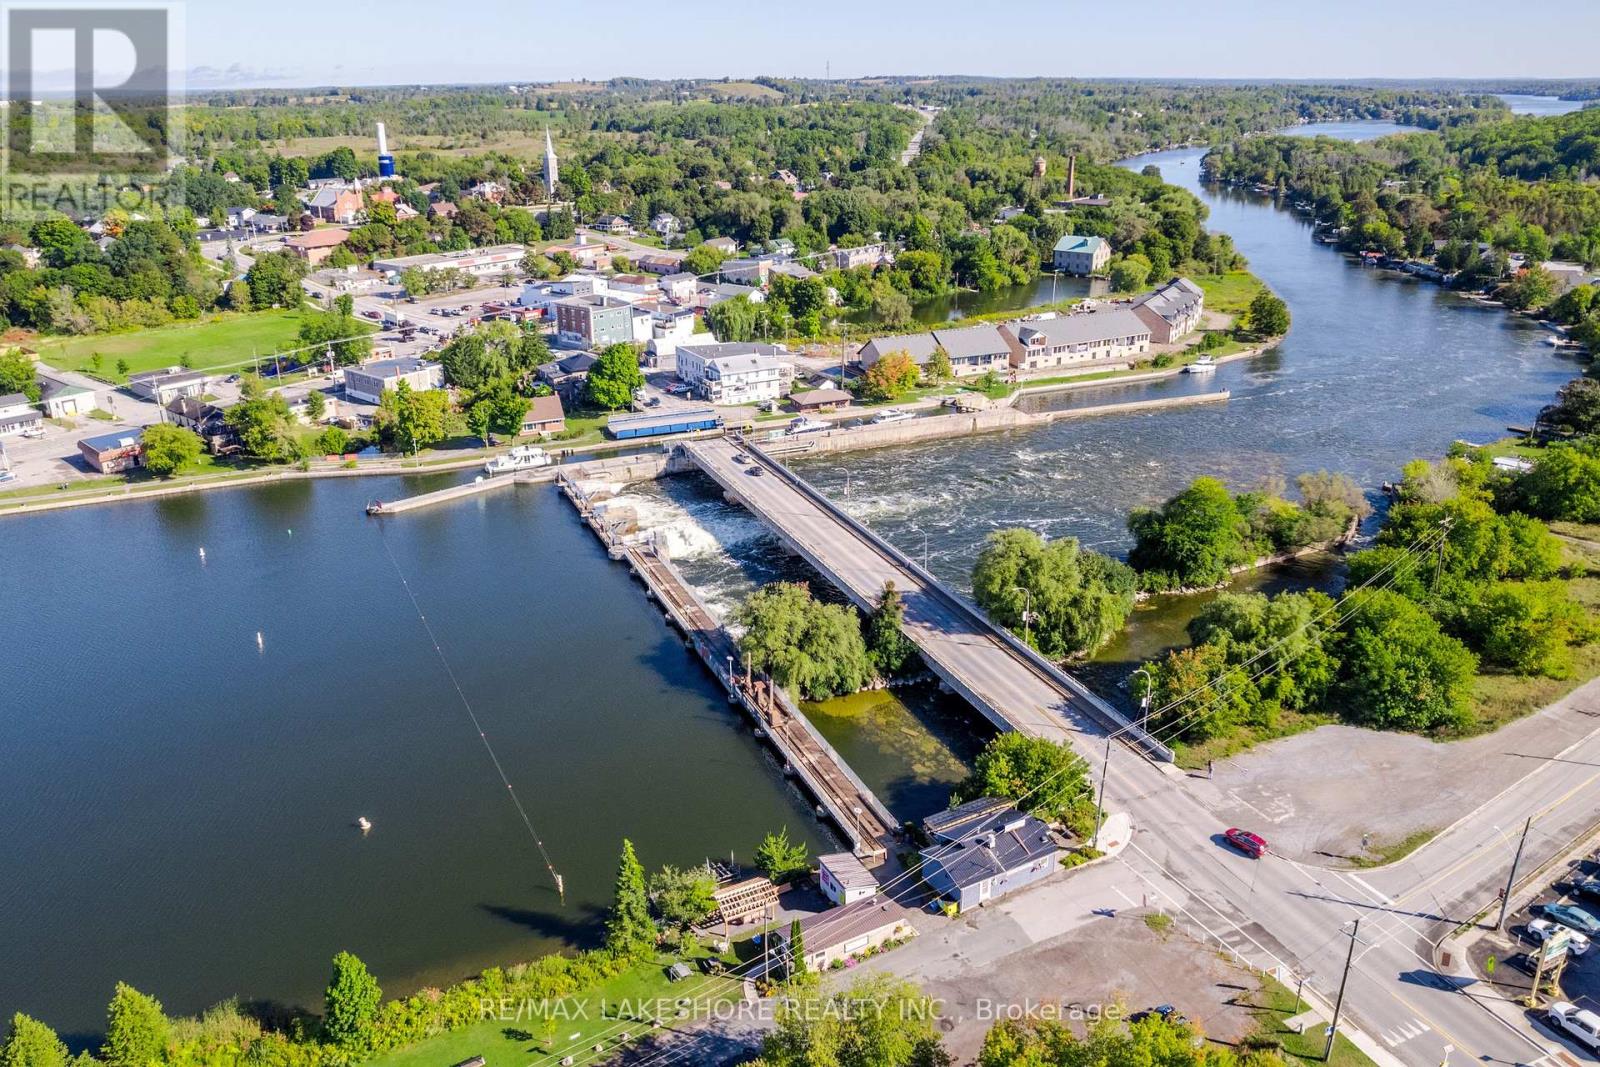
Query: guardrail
point(1109, 718)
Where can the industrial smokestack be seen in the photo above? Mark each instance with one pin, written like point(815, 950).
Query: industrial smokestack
point(1072, 177)
point(383, 141)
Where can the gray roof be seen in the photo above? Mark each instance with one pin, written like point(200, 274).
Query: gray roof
point(950, 824)
point(1174, 300)
point(837, 926)
point(1082, 328)
point(972, 341)
point(392, 368)
point(848, 870)
point(919, 346)
point(724, 349)
point(50, 388)
point(576, 363)
point(11, 400)
point(1005, 841)
point(593, 300)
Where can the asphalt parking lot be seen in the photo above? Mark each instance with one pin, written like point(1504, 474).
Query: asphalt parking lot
point(1513, 951)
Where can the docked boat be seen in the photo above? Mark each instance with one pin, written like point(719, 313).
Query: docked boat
point(889, 415)
point(805, 425)
point(1203, 365)
point(521, 458)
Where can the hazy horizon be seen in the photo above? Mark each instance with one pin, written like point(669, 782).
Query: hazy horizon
point(268, 46)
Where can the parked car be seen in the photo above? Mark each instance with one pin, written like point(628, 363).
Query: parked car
point(1252, 845)
point(1587, 887)
point(371, 315)
point(1569, 915)
point(1580, 1024)
point(1539, 931)
point(7, 476)
point(1165, 1011)
point(1524, 962)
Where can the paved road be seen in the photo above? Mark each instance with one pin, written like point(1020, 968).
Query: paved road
point(961, 651)
point(1271, 912)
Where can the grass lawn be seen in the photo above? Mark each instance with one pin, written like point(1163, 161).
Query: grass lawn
point(1229, 293)
point(1192, 756)
point(580, 1022)
point(1272, 1006)
point(1394, 851)
point(228, 340)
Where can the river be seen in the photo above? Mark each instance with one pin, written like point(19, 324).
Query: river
point(178, 804)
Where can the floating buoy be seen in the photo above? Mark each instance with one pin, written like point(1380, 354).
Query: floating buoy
point(202, 553)
point(363, 823)
point(260, 644)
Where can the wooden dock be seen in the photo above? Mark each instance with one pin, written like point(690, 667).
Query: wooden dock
point(847, 801)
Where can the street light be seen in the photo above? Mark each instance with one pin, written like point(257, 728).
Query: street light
point(1144, 701)
point(1027, 610)
point(846, 472)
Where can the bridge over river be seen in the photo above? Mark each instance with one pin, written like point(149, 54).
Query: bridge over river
point(1011, 684)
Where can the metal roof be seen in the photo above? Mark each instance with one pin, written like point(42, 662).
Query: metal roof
point(1083, 328)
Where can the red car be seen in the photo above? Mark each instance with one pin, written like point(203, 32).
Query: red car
point(1250, 844)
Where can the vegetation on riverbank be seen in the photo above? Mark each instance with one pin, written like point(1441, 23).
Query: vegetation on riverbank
point(1204, 533)
point(1460, 596)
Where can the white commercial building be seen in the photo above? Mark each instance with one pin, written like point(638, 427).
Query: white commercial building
point(735, 373)
point(478, 262)
point(370, 381)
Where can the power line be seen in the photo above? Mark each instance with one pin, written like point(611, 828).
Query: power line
point(511, 792)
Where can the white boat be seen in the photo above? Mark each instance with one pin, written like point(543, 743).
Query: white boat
point(1203, 365)
point(805, 425)
point(521, 458)
point(363, 824)
point(891, 415)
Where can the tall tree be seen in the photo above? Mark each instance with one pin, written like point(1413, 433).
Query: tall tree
point(30, 1043)
point(614, 377)
point(891, 650)
point(136, 1029)
point(798, 971)
point(779, 858)
point(630, 932)
point(350, 1003)
point(168, 449)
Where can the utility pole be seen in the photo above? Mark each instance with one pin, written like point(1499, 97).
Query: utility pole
point(1438, 566)
point(1338, 1004)
point(1505, 898)
point(1144, 701)
point(1100, 801)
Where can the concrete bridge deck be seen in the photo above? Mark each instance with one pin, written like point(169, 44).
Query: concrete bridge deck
point(1010, 683)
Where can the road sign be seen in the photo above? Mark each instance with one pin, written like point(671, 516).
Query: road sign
point(1556, 944)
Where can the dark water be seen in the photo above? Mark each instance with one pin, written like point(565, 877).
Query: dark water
point(1045, 289)
point(177, 805)
point(1377, 369)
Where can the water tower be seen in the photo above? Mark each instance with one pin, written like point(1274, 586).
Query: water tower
point(385, 160)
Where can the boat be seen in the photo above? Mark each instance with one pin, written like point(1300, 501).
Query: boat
point(889, 415)
point(805, 425)
point(523, 457)
point(1203, 365)
point(363, 823)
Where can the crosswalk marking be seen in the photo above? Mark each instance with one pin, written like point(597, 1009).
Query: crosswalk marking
point(1406, 1031)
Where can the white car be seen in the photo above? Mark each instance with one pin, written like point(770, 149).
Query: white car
point(1539, 930)
point(1580, 1024)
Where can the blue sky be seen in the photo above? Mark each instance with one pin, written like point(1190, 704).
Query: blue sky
point(254, 42)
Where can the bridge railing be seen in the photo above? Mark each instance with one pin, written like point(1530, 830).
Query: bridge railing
point(1109, 718)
